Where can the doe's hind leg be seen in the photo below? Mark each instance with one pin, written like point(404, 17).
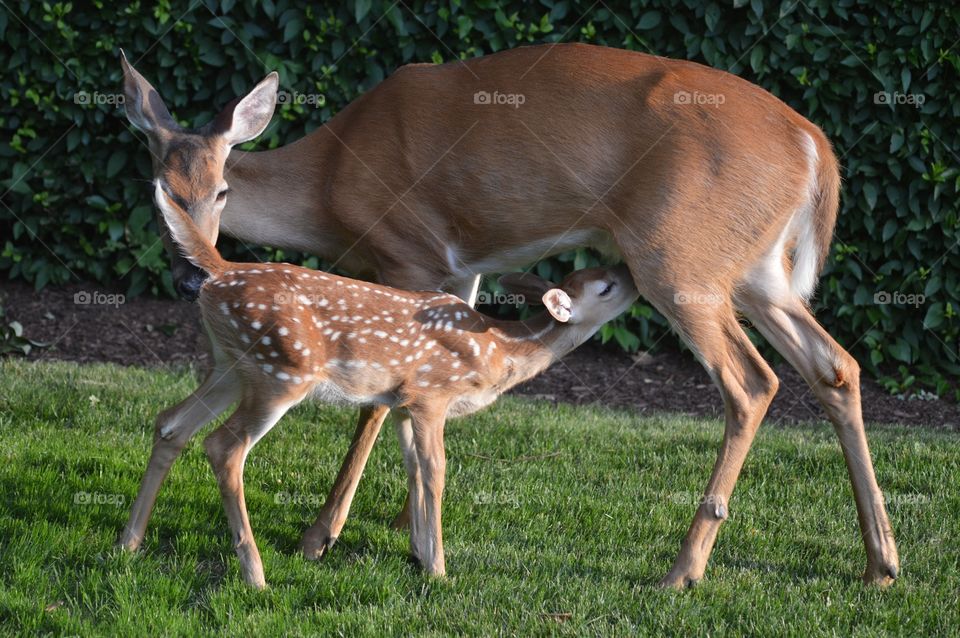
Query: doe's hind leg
point(834, 377)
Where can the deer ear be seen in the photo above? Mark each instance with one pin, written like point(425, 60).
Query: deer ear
point(143, 105)
point(558, 304)
point(527, 285)
point(245, 118)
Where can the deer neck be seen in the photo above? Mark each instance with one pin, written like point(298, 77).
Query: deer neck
point(277, 197)
point(534, 344)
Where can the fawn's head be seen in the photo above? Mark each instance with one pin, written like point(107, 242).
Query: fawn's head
point(189, 163)
point(586, 298)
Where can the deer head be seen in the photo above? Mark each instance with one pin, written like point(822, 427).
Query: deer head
point(189, 163)
point(584, 301)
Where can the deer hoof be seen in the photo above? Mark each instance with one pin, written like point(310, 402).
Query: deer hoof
point(315, 551)
point(402, 521)
point(882, 575)
point(129, 543)
point(678, 582)
point(258, 584)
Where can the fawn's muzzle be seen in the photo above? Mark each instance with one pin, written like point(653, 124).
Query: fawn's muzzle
point(189, 285)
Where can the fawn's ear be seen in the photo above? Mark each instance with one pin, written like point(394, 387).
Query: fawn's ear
point(527, 285)
point(558, 304)
point(245, 118)
point(142, 104)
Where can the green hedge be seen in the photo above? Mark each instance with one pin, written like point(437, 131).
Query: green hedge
point(76, 203)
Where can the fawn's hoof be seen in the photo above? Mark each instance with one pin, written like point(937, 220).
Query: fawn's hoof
point(436, 569)
point(129, 543)
point(679, 580)
point(259, 584)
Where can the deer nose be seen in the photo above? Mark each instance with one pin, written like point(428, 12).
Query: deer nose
point(189, 287)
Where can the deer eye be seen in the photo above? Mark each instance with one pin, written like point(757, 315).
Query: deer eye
point(606, 291)
point(222, 195)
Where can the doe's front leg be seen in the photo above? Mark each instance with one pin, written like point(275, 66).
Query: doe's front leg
point(320, 537)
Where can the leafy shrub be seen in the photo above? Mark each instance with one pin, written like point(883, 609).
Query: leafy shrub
point(12, 339)
point(879, 77)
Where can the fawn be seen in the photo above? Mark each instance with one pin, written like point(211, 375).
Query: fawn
point(281, 333)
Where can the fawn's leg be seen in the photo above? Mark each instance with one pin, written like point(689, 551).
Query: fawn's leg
point(402, 519)
point(834, 377)
point(467, 290)
point(403, 425)
point(173, 429)
point(748, 385)
point(227, 448)
point(427, 483)
point(321, 536)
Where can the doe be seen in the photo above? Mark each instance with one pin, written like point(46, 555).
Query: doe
point(281, 333)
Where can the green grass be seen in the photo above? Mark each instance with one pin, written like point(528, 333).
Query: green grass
point(558, 520)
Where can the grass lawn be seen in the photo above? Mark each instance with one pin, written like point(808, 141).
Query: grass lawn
point(558, 520)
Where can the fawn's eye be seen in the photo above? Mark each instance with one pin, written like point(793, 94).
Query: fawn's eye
point(222, 195)
point(606, 291)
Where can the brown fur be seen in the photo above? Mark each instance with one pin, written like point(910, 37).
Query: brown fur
point(283, 332)
point(417, 186)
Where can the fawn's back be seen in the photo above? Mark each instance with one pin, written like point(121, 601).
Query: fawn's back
point(351, 342)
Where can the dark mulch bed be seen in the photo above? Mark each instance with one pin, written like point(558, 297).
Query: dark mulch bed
point(152, 332)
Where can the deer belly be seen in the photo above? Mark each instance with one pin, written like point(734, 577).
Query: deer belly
point(354, 385)
point(470, 403)
point(464, 265)
point(332, 393)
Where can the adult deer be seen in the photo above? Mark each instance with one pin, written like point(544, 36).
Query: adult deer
point(718, 197)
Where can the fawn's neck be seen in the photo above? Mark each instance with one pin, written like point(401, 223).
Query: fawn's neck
point(534, 344)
